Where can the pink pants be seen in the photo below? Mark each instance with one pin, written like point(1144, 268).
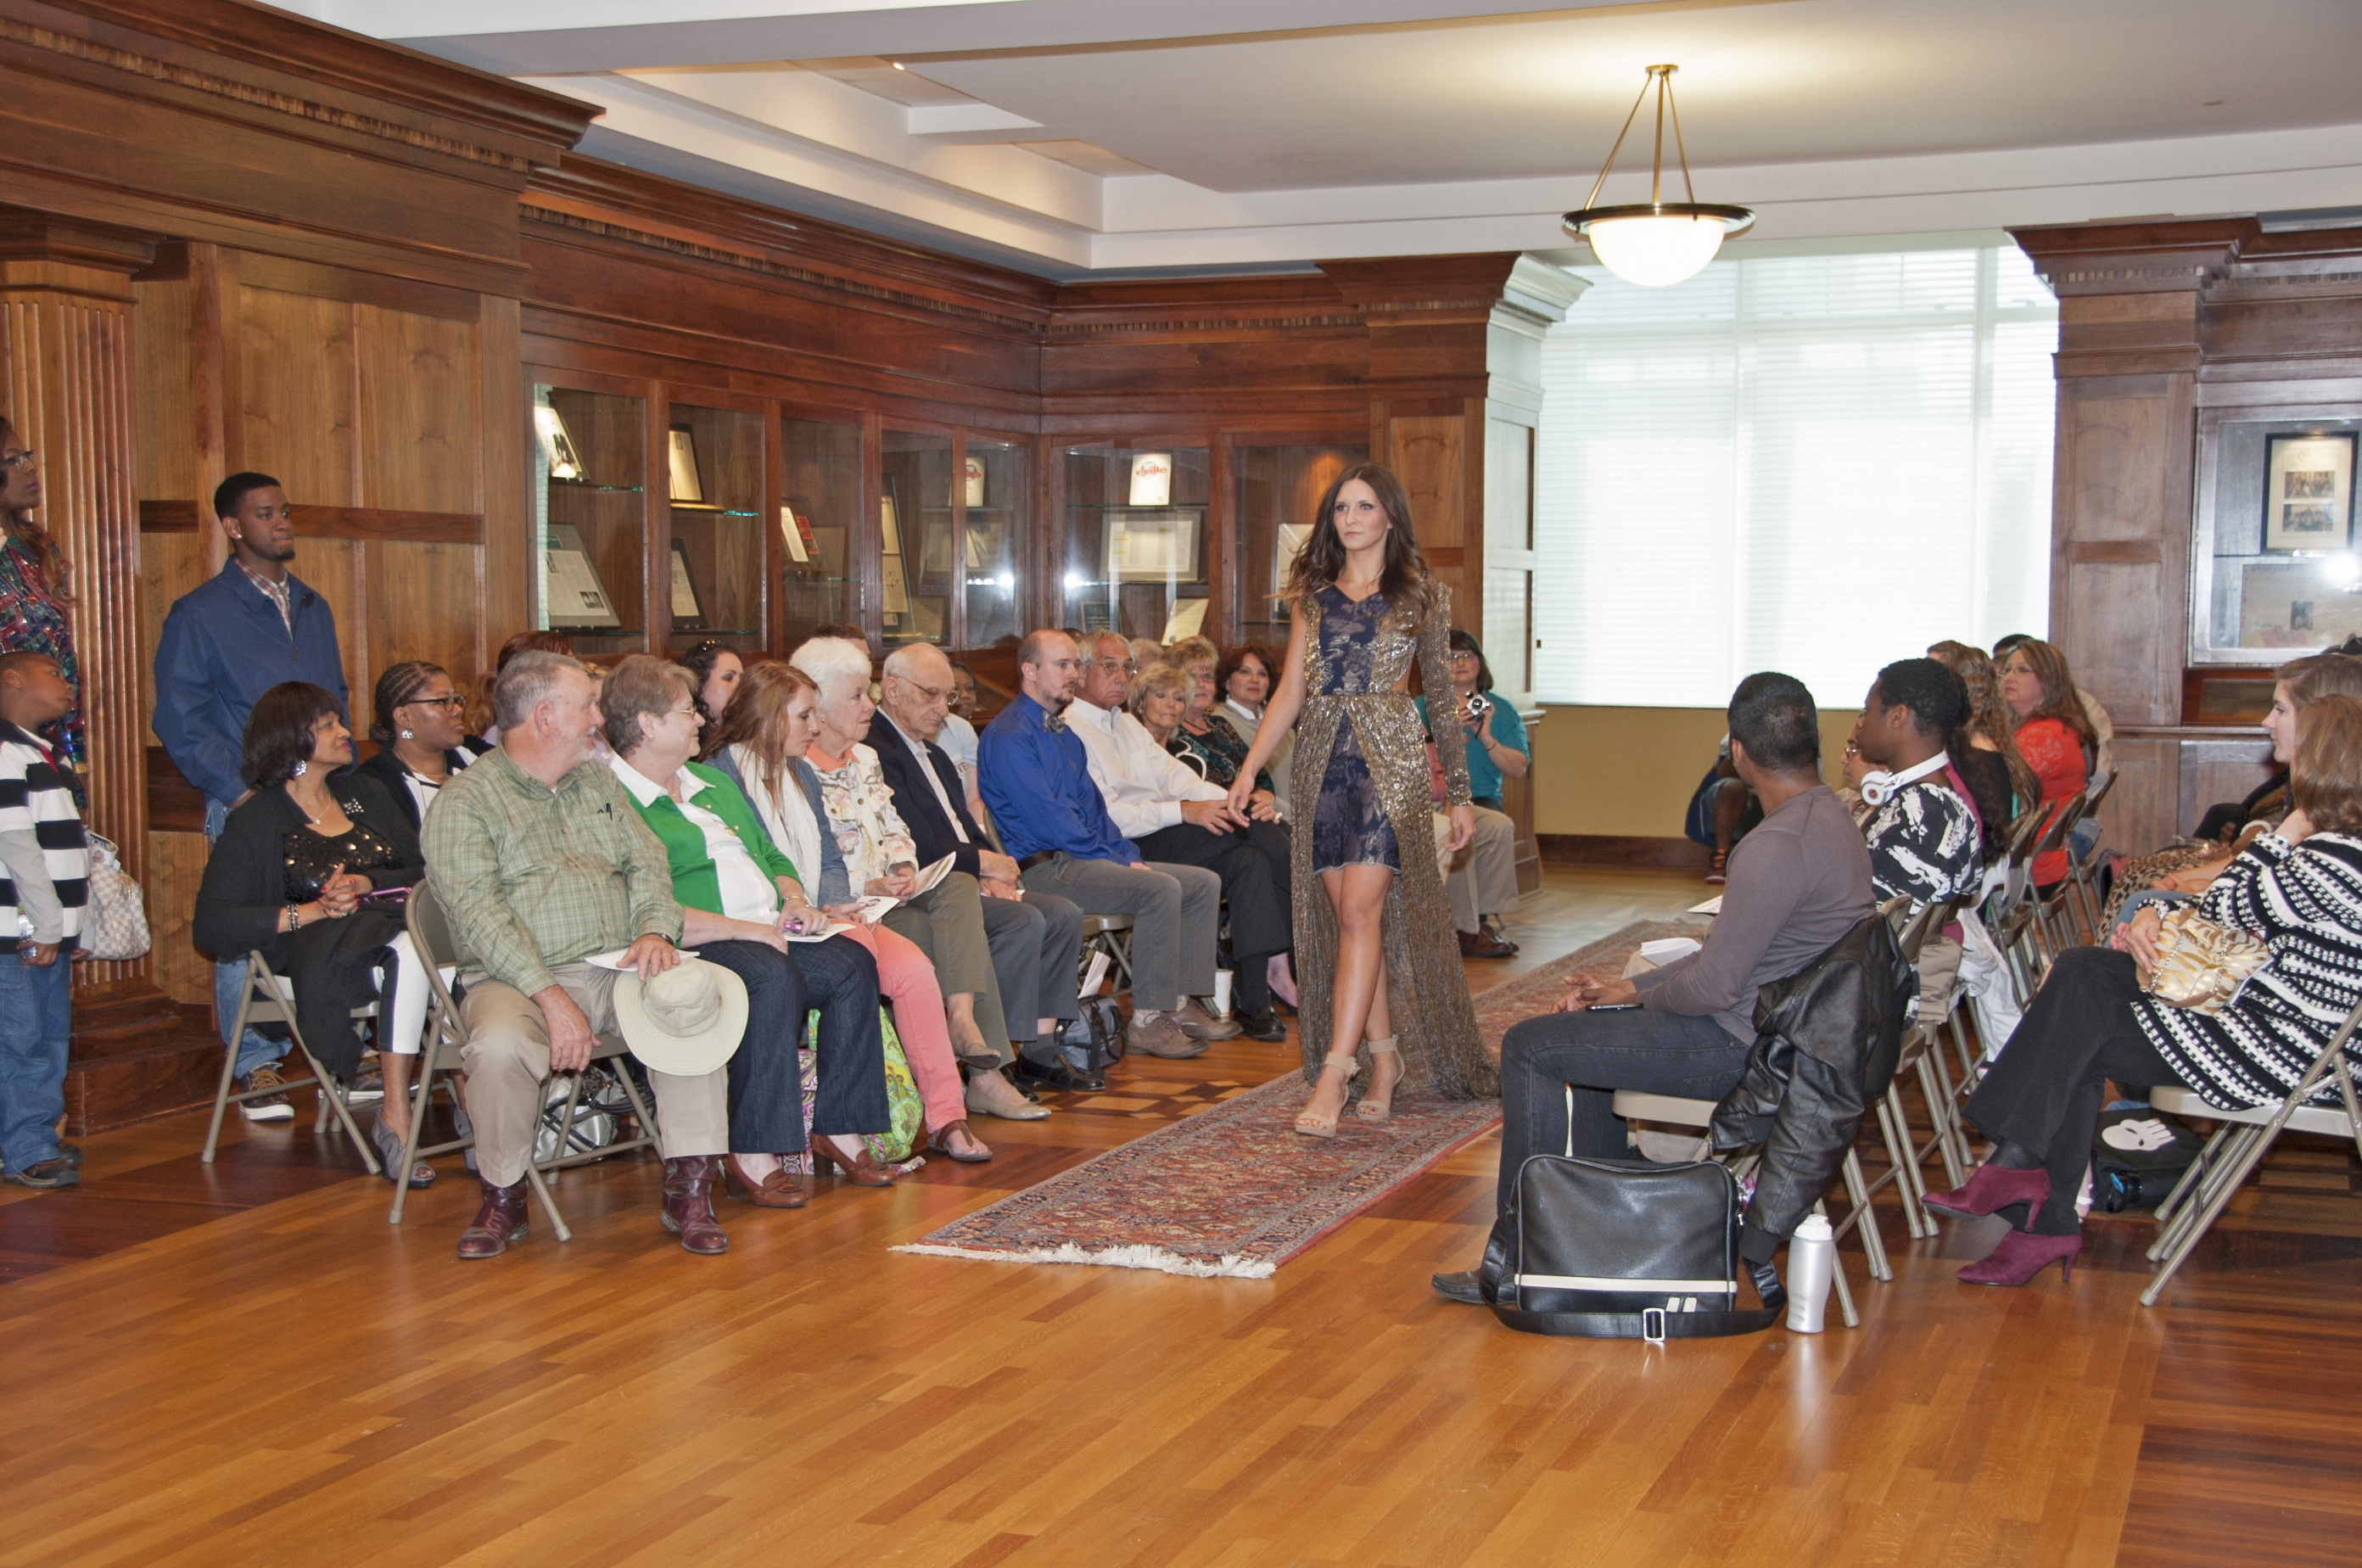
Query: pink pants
point(907, 979)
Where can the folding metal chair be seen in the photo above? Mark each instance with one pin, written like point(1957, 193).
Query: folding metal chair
point(1632, 1103)
point(1922, 1054)
point(440, 1052)
point(2238, 1146)
point(1110, 935)
point(2083, 876)
point(268, 998)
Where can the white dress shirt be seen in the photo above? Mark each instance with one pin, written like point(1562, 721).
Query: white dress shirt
point(1143, 783)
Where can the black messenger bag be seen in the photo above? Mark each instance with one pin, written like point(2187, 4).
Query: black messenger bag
point(1616, 1250)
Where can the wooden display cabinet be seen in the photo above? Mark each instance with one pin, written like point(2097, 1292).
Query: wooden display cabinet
point(819, 524)
point(714, 486)
point(591, 539)
point(1279, 491)
point(918, 537)
point(1137, 524)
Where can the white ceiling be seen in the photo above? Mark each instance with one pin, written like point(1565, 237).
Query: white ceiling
point(1077, 136)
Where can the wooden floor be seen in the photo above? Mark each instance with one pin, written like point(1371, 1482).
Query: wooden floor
point(243, 1364)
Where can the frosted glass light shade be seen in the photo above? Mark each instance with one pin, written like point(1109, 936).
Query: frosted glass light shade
point(1655, 251)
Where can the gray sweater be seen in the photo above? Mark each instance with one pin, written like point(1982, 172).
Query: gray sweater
point(1799, 881)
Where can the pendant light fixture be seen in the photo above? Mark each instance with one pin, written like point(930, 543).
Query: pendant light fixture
point(1656, 243)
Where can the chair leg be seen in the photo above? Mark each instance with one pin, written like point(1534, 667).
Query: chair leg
point(1837, 1279)
point(422, 1095)
point(1890, 1118)
point(1874, 1246)
point(229, 1069)
point(549, 1203)
point(2189, 1180)
point(1936, 1089)
point(2200, 1218)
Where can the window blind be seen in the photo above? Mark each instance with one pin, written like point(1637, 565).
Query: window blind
point(1813, 464)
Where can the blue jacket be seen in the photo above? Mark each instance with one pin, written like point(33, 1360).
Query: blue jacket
point(224, 647)
point(1037, 783)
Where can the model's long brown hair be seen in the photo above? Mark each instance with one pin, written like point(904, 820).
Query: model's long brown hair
point(1988, 715)
point(753, 719)
point(38, 541)
point(2060, 700)
point(1407, 584)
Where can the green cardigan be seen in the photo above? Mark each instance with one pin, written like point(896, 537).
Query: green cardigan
point(695, 882)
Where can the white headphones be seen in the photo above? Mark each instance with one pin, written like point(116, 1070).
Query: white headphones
point(1877, 789)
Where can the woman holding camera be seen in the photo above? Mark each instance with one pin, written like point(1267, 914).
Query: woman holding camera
point(1482, 885)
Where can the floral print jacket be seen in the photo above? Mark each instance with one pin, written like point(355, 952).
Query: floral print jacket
point(869, 832)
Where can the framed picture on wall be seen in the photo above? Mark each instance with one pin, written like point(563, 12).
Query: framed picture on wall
point(688, 610)
point(681, 467)
point(2308, 492)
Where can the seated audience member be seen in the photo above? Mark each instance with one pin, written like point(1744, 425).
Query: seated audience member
point(717, 671)
point(421, 736)
point(1722, 811)
point(1245, 679)
point(45, 859)
point(1482, 883)
point(539, 862)
point(1984, 751)
point(1921, 829)
point(1036, 938)
point(945, 920)
point(2098, 728)
point(2051, 734)
point(957, 737)
point(1196, 738)
point(1178, 819)
point(1145, 651)
point(291, 878)
point(488, 732)
point(2190, 871)
point(735, 890)
point(1036, 776)
point(2298, 888)
point(765, 734)
point(1797, 883)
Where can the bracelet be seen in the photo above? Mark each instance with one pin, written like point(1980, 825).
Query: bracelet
point(294, 917)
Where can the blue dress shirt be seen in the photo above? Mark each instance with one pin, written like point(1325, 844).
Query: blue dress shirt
point(1038, 783)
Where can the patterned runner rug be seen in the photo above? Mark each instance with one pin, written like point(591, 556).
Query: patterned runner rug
point(1233, 1191)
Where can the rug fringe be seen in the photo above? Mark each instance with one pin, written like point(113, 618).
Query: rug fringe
point(1137, 1255)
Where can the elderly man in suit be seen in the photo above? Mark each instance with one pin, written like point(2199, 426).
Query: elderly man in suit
point(1036, 938)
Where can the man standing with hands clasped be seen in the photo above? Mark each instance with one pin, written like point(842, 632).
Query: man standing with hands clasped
point(224, 643)
point(540, 860)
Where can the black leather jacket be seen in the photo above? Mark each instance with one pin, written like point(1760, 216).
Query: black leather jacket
point(1826, 1042)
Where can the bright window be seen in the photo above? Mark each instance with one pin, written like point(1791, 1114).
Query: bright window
point(1812, 464)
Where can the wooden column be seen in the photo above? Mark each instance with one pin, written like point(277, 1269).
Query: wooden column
point(67, 366)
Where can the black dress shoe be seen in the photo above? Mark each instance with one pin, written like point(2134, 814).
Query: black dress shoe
point(1462, 1287)
point(1264, 1024)
point(1058, 1076)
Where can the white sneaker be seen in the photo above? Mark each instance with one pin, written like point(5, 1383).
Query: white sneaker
point(272, 1108)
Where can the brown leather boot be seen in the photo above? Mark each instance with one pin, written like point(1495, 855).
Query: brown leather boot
point(499, 1222)
point(689, 1205)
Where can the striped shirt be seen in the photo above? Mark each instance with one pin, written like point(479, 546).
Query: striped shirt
point(43, 851)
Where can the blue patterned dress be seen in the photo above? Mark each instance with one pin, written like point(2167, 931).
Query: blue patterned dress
point(1349, 826)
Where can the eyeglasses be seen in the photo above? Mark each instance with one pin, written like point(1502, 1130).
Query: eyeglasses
point(931, 694)
point(1459, 653)
point(455, 702)
point(24, 459)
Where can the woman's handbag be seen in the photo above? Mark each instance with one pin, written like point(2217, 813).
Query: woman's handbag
point(1611, 1250)
point(115, 921)
point(2200, 965)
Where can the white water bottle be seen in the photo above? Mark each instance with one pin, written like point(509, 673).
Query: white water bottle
point(1812, 1263)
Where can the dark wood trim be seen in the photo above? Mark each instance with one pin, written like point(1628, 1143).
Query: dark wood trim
point(1611, 849)
point(174, 805)
point(334, 522)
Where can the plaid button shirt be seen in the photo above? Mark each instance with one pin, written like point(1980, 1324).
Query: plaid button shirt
point(532, 876)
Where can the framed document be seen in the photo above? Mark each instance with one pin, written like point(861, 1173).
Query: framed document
point(1152, 546)
point(1189, 619)
point(557, 451)
point(2308, 492)
point(687, 611)
point(578, 600)
point(889, 526)
point(797, 533)
point(683, 451)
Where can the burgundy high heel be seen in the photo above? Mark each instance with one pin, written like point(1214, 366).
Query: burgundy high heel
point(1991, 1189)
point(2023, 1254)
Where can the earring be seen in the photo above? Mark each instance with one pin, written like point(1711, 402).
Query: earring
point(299, 769)
point(408, 736)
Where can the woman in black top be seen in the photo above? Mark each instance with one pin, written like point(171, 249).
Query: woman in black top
point(299, 876)
point(421, 729)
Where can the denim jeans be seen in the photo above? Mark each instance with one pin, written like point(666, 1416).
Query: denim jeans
point(230, 981)
point(36, 1007)
point(1595, 1053)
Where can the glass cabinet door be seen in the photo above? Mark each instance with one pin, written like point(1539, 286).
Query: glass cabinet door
point(1279, 492)
point(2279, 567)
point(917, 556)
point(714, 489)
point(1136, 539)
point(820, 524)
point(590, 470)
point(995, 542)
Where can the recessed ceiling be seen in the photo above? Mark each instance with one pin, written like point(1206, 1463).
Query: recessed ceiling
point(1079, 136)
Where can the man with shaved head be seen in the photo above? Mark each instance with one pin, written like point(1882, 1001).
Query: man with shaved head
point(1037, 780)
point(1036, 938)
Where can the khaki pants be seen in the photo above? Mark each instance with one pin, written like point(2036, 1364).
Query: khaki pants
point(1483, 878)
point(507, 1058)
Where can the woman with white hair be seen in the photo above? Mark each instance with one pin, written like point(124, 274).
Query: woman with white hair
point(946, 921)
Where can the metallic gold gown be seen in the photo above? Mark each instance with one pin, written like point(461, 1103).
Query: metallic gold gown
point(1427, 991)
